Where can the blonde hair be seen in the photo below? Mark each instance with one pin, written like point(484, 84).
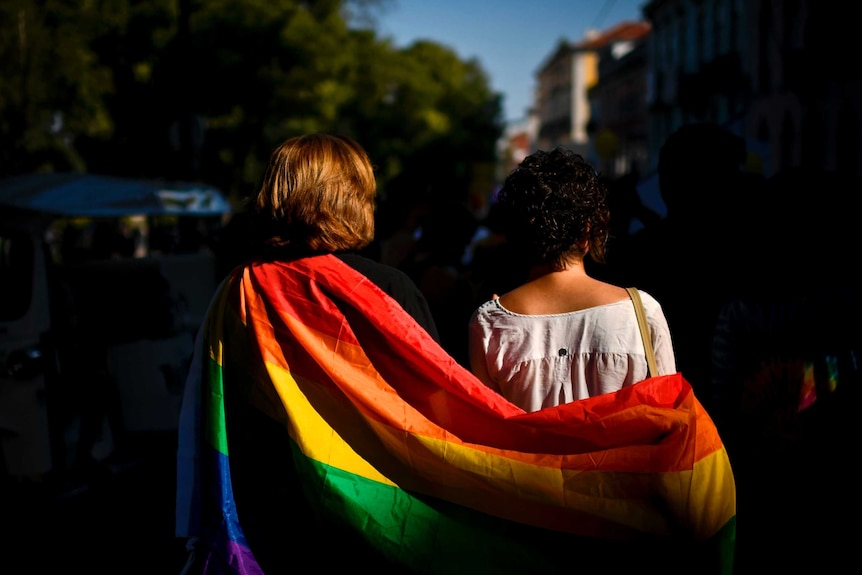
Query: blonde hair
point(318, 195)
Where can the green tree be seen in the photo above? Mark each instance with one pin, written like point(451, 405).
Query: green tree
point(258, 72)
point(206, 89)
point(131, 42)
point(424, 114)
point(53, 88)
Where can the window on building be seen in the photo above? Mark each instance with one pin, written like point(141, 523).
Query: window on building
point(701, 36)
point(708, 31)
point(720, 18)
point(681, 39)
point(791, 33)
point(669, 43)
point(735, 18)
point(765, 39)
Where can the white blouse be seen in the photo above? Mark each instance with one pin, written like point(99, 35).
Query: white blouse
point(538, 361)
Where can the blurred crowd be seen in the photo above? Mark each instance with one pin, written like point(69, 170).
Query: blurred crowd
point(754, 277)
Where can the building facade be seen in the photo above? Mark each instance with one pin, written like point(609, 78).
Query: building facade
point(773, 71)
point(563, 83)
point(695, 62)
point(518, 141)
point(557, 89)
point(618, 112)
point(805, 106)
point(777, 72)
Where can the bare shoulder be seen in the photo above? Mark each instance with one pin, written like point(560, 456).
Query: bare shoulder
point(548, 297)
point(608, 293)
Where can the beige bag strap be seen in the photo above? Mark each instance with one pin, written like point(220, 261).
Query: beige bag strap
point(645, 333)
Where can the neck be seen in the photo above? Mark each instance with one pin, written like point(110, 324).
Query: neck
point(573, 267)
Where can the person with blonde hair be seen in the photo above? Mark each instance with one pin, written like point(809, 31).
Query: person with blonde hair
point(316, 202)
point(318, 196)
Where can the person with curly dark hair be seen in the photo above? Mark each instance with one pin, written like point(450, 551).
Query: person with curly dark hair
point(562, 335)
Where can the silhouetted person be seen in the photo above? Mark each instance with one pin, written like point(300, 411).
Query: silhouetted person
point(496, 266)
point(682, 260)
point(435, 265)
point(400, 218)
point(87, 388)
point(235, 241)
point(628, 212)
point(787, 374)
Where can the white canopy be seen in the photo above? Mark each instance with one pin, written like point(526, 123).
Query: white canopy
point(74, 194)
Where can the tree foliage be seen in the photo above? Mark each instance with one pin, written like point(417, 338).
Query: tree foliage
point(206, 89)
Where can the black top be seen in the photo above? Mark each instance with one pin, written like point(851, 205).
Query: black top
point(398, 285)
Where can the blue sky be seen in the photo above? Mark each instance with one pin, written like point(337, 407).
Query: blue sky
point(510, 38)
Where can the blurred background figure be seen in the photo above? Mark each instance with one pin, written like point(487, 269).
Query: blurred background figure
point(683, 260)
point(436, 265)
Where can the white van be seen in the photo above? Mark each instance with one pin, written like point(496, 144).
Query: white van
point(95, 342)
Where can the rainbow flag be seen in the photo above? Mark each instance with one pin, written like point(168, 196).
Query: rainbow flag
point(434, 471)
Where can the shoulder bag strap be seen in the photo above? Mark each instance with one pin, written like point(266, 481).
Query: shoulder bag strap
point(644, 327)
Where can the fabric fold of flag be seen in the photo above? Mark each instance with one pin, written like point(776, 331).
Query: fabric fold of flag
point(391, 439)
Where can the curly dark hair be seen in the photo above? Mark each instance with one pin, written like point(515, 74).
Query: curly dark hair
point(555, 206)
